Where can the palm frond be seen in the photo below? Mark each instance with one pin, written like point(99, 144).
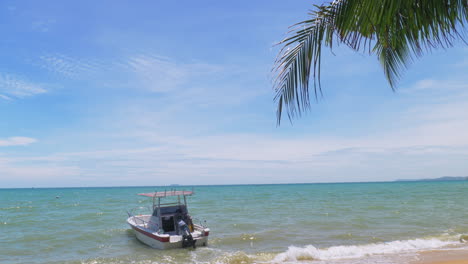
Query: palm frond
point(396, 31)
point(301, 51)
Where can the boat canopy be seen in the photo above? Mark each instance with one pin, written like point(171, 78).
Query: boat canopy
point(167, 193)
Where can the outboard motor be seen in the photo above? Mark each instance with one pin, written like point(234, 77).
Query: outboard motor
point(187, 239)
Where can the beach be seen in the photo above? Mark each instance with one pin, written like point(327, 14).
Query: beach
point(392, 222)
point(443, 257)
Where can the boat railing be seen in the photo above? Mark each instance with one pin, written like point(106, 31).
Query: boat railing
point(141, 222)
point(136, 217)
point(145, 208)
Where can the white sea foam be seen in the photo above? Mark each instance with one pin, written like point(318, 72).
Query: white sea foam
point(358, 251)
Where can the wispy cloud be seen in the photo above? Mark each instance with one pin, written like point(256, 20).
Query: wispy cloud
point(43, 25)
point(16, 87)
point(243, 158)
point(144, 70)
point(35, 174)
point(433, 84)
point(16, 141)
point(162, 74)
point(70, 67)
point(5, 97)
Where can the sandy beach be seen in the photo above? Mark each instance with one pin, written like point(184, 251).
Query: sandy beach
point(443, 257)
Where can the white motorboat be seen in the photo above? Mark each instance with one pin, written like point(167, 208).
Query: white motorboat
point(169, 225)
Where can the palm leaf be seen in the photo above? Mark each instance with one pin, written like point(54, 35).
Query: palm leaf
point(396, 31)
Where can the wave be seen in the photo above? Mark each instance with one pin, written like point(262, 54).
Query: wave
point(358, 251)
point(309, 253)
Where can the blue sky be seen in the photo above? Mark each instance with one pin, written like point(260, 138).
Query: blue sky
point(114, 93)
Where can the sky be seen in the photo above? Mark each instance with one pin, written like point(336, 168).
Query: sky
point(125, 93)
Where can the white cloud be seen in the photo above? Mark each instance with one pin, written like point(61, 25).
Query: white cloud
point(5, 97)
point(38, 173)
point(442, 86)
point(430, 150)
point(43, 25)
point(162, 75)
point(145, 71)
point(16, 141)
point(242, 158)
point(70, 67)
point(14, 86)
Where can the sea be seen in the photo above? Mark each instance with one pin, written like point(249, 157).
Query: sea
point(386, 222)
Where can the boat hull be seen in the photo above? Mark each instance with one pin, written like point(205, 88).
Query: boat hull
point(165, 241)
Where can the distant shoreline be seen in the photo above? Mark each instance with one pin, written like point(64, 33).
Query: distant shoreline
point(445, 178)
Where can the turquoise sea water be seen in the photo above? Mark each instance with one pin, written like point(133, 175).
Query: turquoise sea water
point(307, 223)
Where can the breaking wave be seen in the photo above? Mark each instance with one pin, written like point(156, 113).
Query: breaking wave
point(358, 251)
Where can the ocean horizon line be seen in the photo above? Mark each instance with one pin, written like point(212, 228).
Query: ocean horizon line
point(175, 186)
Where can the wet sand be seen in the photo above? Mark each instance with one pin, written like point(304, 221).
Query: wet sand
point(443, 257)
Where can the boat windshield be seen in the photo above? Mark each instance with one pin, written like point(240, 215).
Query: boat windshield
point(171, 210)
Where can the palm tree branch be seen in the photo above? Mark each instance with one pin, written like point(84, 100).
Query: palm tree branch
point(396, 31)
point(299, 55)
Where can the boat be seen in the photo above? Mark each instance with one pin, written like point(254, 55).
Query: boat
point(168, 223)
